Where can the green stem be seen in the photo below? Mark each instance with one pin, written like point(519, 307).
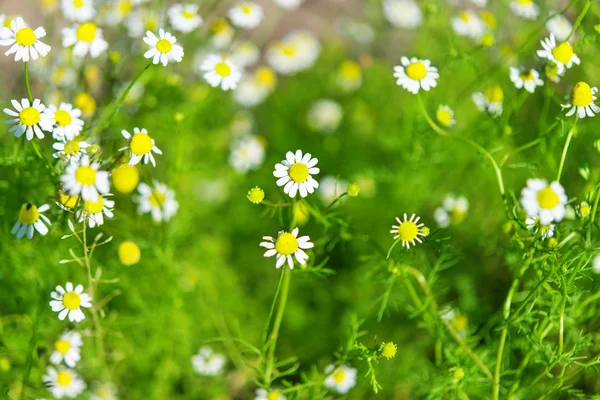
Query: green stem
point(586, 8)
point(268, 324)
point(285, 287)
point(592, 218)
point(29, 96)
point(29, 362)
point(565, 150)
point(561, 329)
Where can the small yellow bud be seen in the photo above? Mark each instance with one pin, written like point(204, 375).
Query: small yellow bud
point(179, 116)
point(256, 195)
point(4, 364)
point(487, 40)
point(389, 349)
point(353, 190)
point(458, 374)
point(85, 103)
point(129, 253)
point(552, 242)
point(584, 209)
point(301, 212)
point(115, 57)
point(125, 178)
point(425, 230)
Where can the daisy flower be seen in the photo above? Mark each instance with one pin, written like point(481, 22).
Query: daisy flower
point(287, 245)
point(583, 209)
point(67, 121)
point(66, 202)
point(67, 348)
point(561, 54)
point(546, 202)
point(222, 33)
point(78, 10)
point(184, 17)
point(262, 394)
point(94, 211)
point(582, 101)
point(125, 178)
point(453, 211)
point(29, 119)
point(68, 302)
point(445, 116)
point(533, 224)
point(119, 11)
point(525, 9)
point(250, 92)
point(219, 71)
point(23, 41)
point(490, 101)
point(68, 149)
point(63, 382)
point(247, 153)
point(349, 76)
point(296, 51)
point(30, 218)
point(408, 230)
point(468, 24)
point(244, 54)
point(340, 379)
point(325, 115)
point(162, 48)
point(415, 74)
point(85, 38)
point(159, 201)
point(83, 177)
point(207, 362)
point(288, 4)
point(141, 146)
point(527, 79)
point(403, 13)
point(560, 27)
point(246, 14)
point(295, 174)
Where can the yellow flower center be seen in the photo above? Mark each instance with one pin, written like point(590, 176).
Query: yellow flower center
point(408, 231)
point(256, 195)
point(275, 395)
point(487, 40)
point(266, 76)
point(489, 19)
point(157, 199)
point(223, 69)
point(465, 16)
point(581, 95)
point(71, 300)
point(416, 71)
point(125, 178)
point(301, 212)
point(298, 172)
point(92, 207)
point(86, 32)
point(72, 147)
point(286, 244)
point(350, 70)
point(62, 346)
point(8, 22)
point(78, 3)
point(63, 378)
point(188, 15)
point(67, 201)
point(129, 253)
point(526, 75)
point(527, 2)
point(460, 322)
point(25, 37)
point(125, 7)
point(151, 23)
point(288, 49)
point(85, 103)
point(563, 53)
point(389, 350)
point(164, 46)
point(219, 26)
point(494, 94)
point(457, 215)
point(247, 9)
point(140, 144)
point(339, 376)
point(547, 198)
point(444, 117)
point(29, 116)
point(62, 118)
point(29, 214)
point(85, 176)
point(585, 210)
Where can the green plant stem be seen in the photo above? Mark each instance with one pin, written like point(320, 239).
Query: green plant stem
point(592, 218)
point(586, 8)
point(566, 149)
point(29, 96)
point(29, 362)
point(285, 287)
point(561, 329)
point(272, 310)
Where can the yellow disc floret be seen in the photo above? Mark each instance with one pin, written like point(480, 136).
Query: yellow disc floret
point(256, 195)
point(72, 147)
point(62, 346)
point(494, 94)
point(563, 53)
point(286, 244)
point(388, 350)
point(86, 32)
point(25, 37)
point(85, 175)
point(444, 116)
point(63, 378)
point(164, 46)
point(140, 144)
point(547, 198)
point(67, 201)
point(350, 70)
point(408, 231)
point(129, 253)
point(416, 71)
point(93, 207)
point(125, 178)
point(85, 103)
point(581, 95)
point(71, 300)
point(29, 116)
point(62, 117)
point(29, 214)
point(223, 69)
point(298, 172)
point(339, 376)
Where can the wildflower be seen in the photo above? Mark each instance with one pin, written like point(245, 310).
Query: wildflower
point(24, 42)
point(340, 379)
point(244, 54)
point(63, 382)
point(325, 115)
point(95, 211)
point(83, 177)
point(207, 362)
point(527, 79)
point(287, 245)
point(490, 101)
point(584, 210)
point(445, 116)
point(547, 202)
point(66, 202)
point(125, 178)
point(184, 17)
point(141, 146)
point(119, 10)
point(129, 253)
point(330, 188)
point(256, 195)
point(525, 8)
point(596, 264)
point(66, 121)
point(408, 230)
point(288, 4)
point(488, 19)
point(68, 149)
point(262, 394)
point(468, 24)
point(295, 174)
point(29, 119)
point(85, 38)
point(159, 201)
point(246, 14)
point(582, 101)
point(457, 374)
point(67, 349)
point(349, 76)
point(222, 33)
point(561, 54)
point(162, 48)
point(103, 391)
point(254, 89)
point(560, 27)
point(296, 51)
point(30, 218)
point(415, 74)
point(403, 13)
point(357, 30)
point(389, 349)
point(353, 189)
point(68, 302)
point(219, 71)
point(453, 211)
point(86, 103)
point(247, 153)
point(533, 224)
point(78, 10)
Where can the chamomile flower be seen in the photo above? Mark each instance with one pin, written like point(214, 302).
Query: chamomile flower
point(262, 394)
point(67, 121)
point(68, 302)
point(68, 149)
point(86, 103)
point(562, 54)
point(244, 54)
point(403, 13)
point(250, 92)
point(119, 11)
point(85, 38)
point(349, 76)
point(158, 200)
point(288, 4)
point(63, 382)
point(246, 14)
point(219, 71)
point(67, 349)
point(415, 74)
point(356, 30)
point(445, 116)
point(583, 209)
point(184, 17)
point(286, 245)
point(163, 48)
point(141, 146)
point(24, 42)
point(340, 379)
point(222, 33)
point(83, 177)
point(408, 230)
point(247, 153)
point(468, 24)
point(295, 52)
point(525, 9)
point(95, 211)
point(295, 174)
point(560, 27)
point(546, 202)
point(29, 119)
point(207, 362)
point(66, 202)
point(30, 218)
point(527, 79)
point(325, 115)
point(581, 101)
point(78, 10)
point(490, 101)
point(533, 224)
point(453, 211)
point(103, 391)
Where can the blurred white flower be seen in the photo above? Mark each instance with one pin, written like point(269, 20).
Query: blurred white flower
point(63, 382)
point(403, 13)
point(247, 153)
point(207, 362)
point(325, 115)
point(184, 17)
point(340, 379)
